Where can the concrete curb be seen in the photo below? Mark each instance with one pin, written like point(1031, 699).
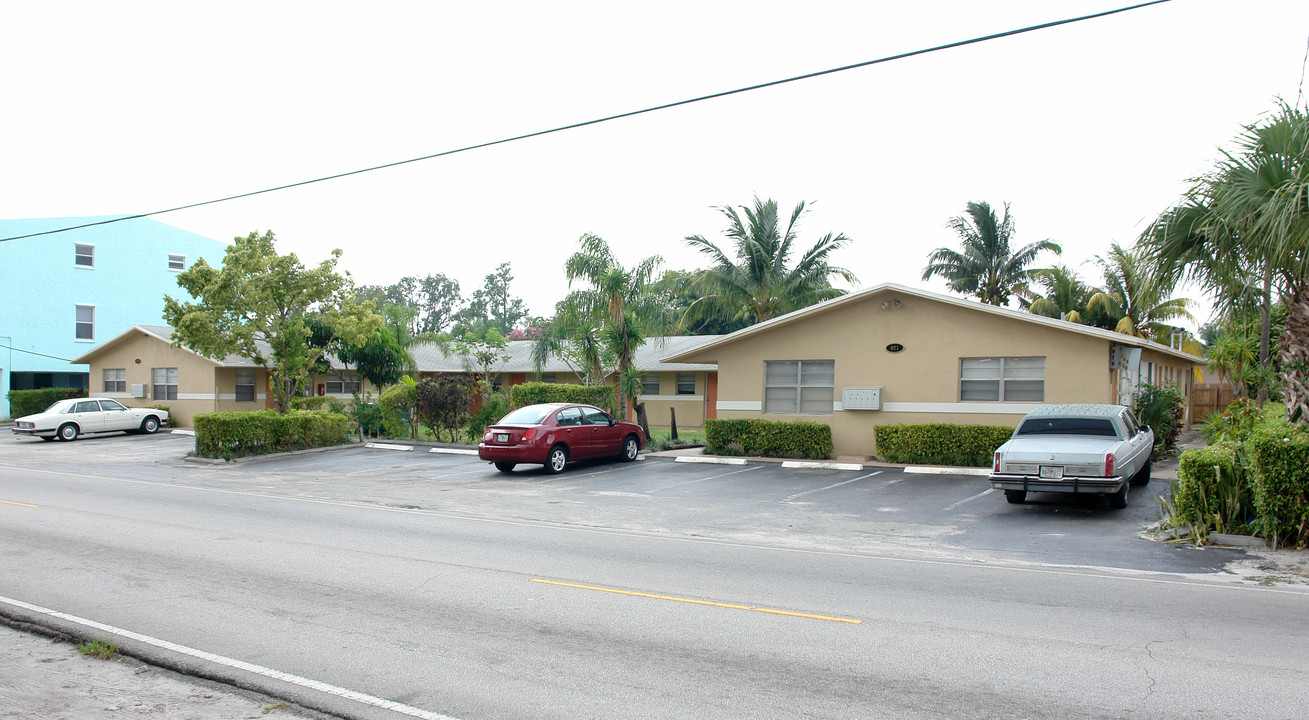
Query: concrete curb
point(808, 465)
point(709, 460)
point(452, 451)
point(389, 446)
point(939, 470)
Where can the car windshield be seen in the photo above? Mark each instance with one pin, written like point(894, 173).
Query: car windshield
point(530, 415)
point(1095, 427)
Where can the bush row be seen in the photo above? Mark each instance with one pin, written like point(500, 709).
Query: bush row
point(531, 393)
point(768, 438)
point(235, 434)
point(1280, 483)
point(31, 402)
point(940, 444)
point(1211, 493)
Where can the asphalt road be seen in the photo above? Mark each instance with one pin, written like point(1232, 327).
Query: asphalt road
point(385, 584)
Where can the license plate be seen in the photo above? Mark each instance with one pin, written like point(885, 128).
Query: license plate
point(1052, 472)
point(502, 437)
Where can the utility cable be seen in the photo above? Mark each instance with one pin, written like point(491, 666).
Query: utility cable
point(29, 352)
point(574, 126)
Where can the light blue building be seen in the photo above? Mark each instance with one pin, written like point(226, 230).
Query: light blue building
point(63, 293)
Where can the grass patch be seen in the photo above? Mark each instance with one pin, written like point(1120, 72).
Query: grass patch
point(99, 649)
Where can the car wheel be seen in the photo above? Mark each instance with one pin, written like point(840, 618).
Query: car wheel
point(150, 424)
point(1017, 497)
point(504, 466)
point(631, 447)
point(1118, 500)
point(1142, 477)
point(556, 460)
point(68, 432)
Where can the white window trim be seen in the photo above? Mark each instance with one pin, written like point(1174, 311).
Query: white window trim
point(77, 323)
point(77, 255)
point(1000, 380)
point(170, 262)
point(799, 388)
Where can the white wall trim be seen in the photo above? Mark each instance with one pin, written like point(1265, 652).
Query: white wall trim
point(192, 396)
point(673, 398)
point(960, 408)
point(747, 405)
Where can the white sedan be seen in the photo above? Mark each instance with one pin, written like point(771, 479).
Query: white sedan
point(67, 419)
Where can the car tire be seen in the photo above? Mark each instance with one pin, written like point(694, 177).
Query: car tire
point(1016, 497)
point(1118, 500)
point(556, 460)
point(68, 432)
point(505, 466)
point(631, 448)
point(150, 425)
point(1142, 477)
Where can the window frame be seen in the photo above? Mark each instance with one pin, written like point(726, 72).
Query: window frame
point(169, 388)
point(1002, 389)
point(648, 380)
point(79, 323)
point(799, 385)
point(682, 387)
point(343, 387)
point(179, 266)
point(119, 381)
point(78, 255)
point(239, 385)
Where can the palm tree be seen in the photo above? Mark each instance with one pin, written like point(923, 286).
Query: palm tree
point(756, 280)
point(1065, 294)
point(616, 309)
point(1243, 230)
point(1136, 296)
point(987, 268)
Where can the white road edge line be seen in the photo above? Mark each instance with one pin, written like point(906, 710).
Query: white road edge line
point(947, 470)
point(453, 451)
point(388, 446)
point(237, 664)
point(711, 460)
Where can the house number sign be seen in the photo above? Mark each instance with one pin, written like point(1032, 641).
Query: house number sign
point(894, 347)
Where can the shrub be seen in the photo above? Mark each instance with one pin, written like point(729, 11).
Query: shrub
point(493, 408)
point(31, 402)
point(940, 444)
point(397, 406)
point(235, 434)
point(1211, 493)
point(1162, 408)
point(768, 438)
point(1280, 477)
point(369, 417)
point(531, 393)
point(442, 403)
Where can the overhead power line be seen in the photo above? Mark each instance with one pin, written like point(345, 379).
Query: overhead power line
point(29, 352)
point(597, 121)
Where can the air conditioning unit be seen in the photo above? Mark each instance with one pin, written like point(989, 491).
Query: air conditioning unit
point(861, 398)
point(138, 390)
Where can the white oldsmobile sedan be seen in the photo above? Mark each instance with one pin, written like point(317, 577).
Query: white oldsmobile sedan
point(66, 419)
point(1075, 449)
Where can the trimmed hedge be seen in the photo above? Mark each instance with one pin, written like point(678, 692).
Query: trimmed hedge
point(768, 438)
point(940, 444)
point(1280, 479)
point(236, 434)
point(1211, 493)
point(31, 402)
point(532, 393)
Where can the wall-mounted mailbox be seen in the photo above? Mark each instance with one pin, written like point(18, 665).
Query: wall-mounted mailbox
point(861, 398)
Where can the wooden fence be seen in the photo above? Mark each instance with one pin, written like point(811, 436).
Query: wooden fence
point(1208, 399)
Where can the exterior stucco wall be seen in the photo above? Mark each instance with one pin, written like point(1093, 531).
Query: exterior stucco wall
point(139, 355)
point(921, 383)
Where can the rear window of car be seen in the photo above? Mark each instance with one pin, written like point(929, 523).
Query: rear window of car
point(1094, 427)
point(530, 415)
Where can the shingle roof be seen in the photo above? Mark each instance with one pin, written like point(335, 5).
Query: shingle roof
point(648, 358)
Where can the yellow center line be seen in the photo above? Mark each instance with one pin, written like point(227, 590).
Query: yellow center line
point(6, 502)
point(699, 602)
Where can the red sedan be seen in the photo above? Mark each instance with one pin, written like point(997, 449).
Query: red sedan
point(554, 433)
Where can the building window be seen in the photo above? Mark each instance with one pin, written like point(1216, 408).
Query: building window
point(84, 255)
point(685, 383)
point(799, 386)
point(245, 385)
point(1002, 379)
point(342, 387)
point(650, 384)
point(549, 378)
point(115, 380)
point(176, 262)
point(165, 383)
point(85, 329)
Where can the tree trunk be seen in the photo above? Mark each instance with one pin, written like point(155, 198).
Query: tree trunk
point(642, 420)
point(1265, 331)
point(1295, 355)
point(672, 412)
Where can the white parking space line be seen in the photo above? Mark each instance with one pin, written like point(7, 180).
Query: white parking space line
point(984, 493)
point(260, 670)
point(700, 480)
point(789, 498)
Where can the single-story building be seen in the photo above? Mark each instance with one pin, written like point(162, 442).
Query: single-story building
point(890, 354)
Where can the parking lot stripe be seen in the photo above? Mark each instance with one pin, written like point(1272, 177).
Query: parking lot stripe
point(699, 480)
point(984, 493)
point(6, 502)
point(829, 487)
point(693, 601)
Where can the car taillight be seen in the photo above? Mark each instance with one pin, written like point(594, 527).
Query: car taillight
point(997, 462)
point(487, 436)
point(1109, 465)
point(529, 434)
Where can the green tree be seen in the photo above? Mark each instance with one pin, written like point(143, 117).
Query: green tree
point(1065, 296)
point(755, 279)
point(988, 268)
point(259, 306)
point(1136, 297)
point(682, 295)
point(492, 307)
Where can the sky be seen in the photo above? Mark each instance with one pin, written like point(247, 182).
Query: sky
point(1088, 130)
